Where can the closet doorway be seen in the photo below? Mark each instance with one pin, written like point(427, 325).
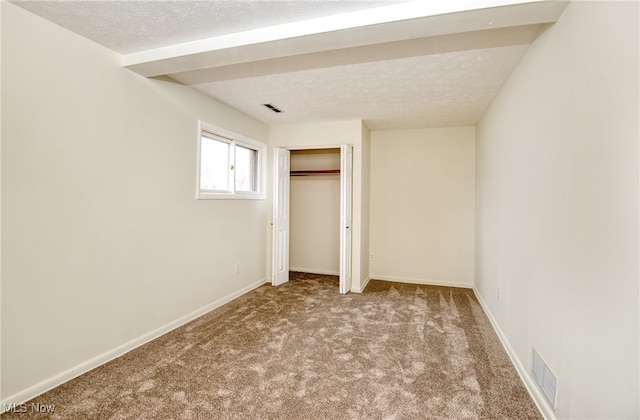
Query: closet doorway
point(316, 167)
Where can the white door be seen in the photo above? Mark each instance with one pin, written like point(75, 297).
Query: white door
point(346, 188)
point(280, 217)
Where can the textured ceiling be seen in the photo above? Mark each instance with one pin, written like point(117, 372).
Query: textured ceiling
point(431, 70)
point(129, 26)
point(426, 91)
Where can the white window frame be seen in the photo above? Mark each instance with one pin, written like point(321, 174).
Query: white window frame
point(234, 140)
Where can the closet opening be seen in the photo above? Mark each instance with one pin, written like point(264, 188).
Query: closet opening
point(312, 214)
point(315, 212)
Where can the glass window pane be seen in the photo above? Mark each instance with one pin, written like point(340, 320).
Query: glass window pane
point(246, 169)
point(214, 164)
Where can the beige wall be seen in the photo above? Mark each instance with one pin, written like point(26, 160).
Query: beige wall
point(1, 55)
point(104, 244)
point(558, 191)
point(315, 213)
point(422, 205)
point(365, 208)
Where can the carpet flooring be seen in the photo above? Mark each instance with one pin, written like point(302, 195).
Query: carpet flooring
point(303, 351)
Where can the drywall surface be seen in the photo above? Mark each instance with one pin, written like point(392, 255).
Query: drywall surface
point(103, 239)
point(1, 43)
point(322, 135)
point(557, 209)
point(365, 209)
point(315, 213)
point(422, 205)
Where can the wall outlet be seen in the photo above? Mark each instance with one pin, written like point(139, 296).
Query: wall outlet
point(499, 294)
point(372, 257)
point(236, 268)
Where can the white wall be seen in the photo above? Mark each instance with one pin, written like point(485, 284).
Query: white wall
point(1, 44)
point(557, 221)
point(315, 213)
point(329, 134)
point(365, 208)
point(422, 205)
point(104, 244)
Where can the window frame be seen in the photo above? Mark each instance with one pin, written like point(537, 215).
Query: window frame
point(234, 140)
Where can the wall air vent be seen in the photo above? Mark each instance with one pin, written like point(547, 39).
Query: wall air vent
point(546, 379)
point(273, 108)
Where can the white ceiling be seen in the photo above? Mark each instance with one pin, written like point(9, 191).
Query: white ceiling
point(393, 64)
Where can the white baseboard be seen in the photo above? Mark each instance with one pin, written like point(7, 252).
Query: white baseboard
point(535, 392)
point(315, 271)
point(422, 281)
point(362, 286)
point(59, 379)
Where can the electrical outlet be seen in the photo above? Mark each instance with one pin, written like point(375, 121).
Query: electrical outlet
point(499, 294)
point(236, 268)
point(372, 257)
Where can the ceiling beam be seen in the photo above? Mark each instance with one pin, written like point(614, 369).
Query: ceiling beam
point(476, 40)
point(383, 25)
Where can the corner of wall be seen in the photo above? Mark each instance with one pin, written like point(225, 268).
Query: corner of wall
point(1, 26)
point(366, 208)
point(532, 388)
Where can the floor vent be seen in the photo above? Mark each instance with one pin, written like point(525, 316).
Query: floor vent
point(545, 378)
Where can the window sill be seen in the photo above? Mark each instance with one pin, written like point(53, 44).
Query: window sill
point(229, 196)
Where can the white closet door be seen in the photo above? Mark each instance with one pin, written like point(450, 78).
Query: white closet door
point(346, 188)
point(281, 217)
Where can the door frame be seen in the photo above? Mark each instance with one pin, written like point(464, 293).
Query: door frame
point(346, 209)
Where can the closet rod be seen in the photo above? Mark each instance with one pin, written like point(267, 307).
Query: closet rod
point(316, 172)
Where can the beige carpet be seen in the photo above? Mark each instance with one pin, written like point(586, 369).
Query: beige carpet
point(302, 351)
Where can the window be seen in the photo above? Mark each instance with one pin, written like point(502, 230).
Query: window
point(246, 164)
point(229, 165)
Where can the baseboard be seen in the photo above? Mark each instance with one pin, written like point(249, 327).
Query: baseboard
point(93, 363)
point(362, 286)
point(536, 394)
point(421, 281)
point(315, 271)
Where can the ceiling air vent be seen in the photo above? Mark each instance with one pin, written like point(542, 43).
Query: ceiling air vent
point(273, 108)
